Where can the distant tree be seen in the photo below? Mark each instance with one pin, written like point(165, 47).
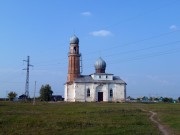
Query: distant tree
point(12, 95)
point(46, 92)
point(151, 98)
point(170, 100)
point(179, 99)
point(138, 99)
point(156, 99)
point(167, 100)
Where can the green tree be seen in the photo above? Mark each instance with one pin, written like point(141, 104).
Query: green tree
point(46, 92)
point(179, 99)
point(151, 99)
point(12, 95)
point(167, 100)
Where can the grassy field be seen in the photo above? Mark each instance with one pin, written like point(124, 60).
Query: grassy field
point(85, 118)
point(168, 115)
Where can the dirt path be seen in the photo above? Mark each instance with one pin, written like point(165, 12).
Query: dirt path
point(162, 128)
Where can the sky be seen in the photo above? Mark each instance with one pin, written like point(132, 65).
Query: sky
point(139, 40)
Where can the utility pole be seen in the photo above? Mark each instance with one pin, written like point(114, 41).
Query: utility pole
point(6, 95)
point(27, 77)
point(34, 101)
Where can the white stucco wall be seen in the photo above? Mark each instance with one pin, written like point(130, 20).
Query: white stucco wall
point(69, 95)
point(77, 92)
point(119, 93)
point(80, 92)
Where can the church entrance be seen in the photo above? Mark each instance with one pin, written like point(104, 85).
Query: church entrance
point(100, 96)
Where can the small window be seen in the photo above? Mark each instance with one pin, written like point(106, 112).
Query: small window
point(106, 76)
point(100, 76)
point(88, 92)
point(111, 93)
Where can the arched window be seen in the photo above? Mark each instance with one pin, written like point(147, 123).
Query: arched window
point(111, 93)
point(88, 92)
point(74, 49)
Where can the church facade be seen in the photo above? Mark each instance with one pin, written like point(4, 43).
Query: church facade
point(99, 86)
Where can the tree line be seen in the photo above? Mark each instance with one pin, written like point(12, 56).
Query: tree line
point(45, 93)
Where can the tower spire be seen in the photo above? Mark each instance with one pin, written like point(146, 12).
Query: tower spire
point(74, 59)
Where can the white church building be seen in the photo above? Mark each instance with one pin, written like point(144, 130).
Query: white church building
point(96, 87)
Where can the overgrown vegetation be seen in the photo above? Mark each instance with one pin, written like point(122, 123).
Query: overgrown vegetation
point(82, 118)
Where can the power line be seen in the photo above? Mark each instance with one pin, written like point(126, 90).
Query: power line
point(137, 41)
point(177, 50)
point(142, 49)
point(117, 46)
point(124, 45)
point(34, 101)
point(140, 57)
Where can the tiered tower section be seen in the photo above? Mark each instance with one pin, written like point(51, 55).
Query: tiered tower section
point(74, 59)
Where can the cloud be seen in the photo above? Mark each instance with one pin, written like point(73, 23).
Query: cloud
point(173, 27)
point(86, 13)
point(101, 33)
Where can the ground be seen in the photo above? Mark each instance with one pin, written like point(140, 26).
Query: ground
point(87, 118)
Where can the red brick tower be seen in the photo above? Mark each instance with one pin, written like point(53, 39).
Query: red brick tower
point(74, 59)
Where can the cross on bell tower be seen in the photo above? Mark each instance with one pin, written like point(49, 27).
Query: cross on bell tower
point(74, 59)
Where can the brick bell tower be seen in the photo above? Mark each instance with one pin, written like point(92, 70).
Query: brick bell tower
point(74, 59)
